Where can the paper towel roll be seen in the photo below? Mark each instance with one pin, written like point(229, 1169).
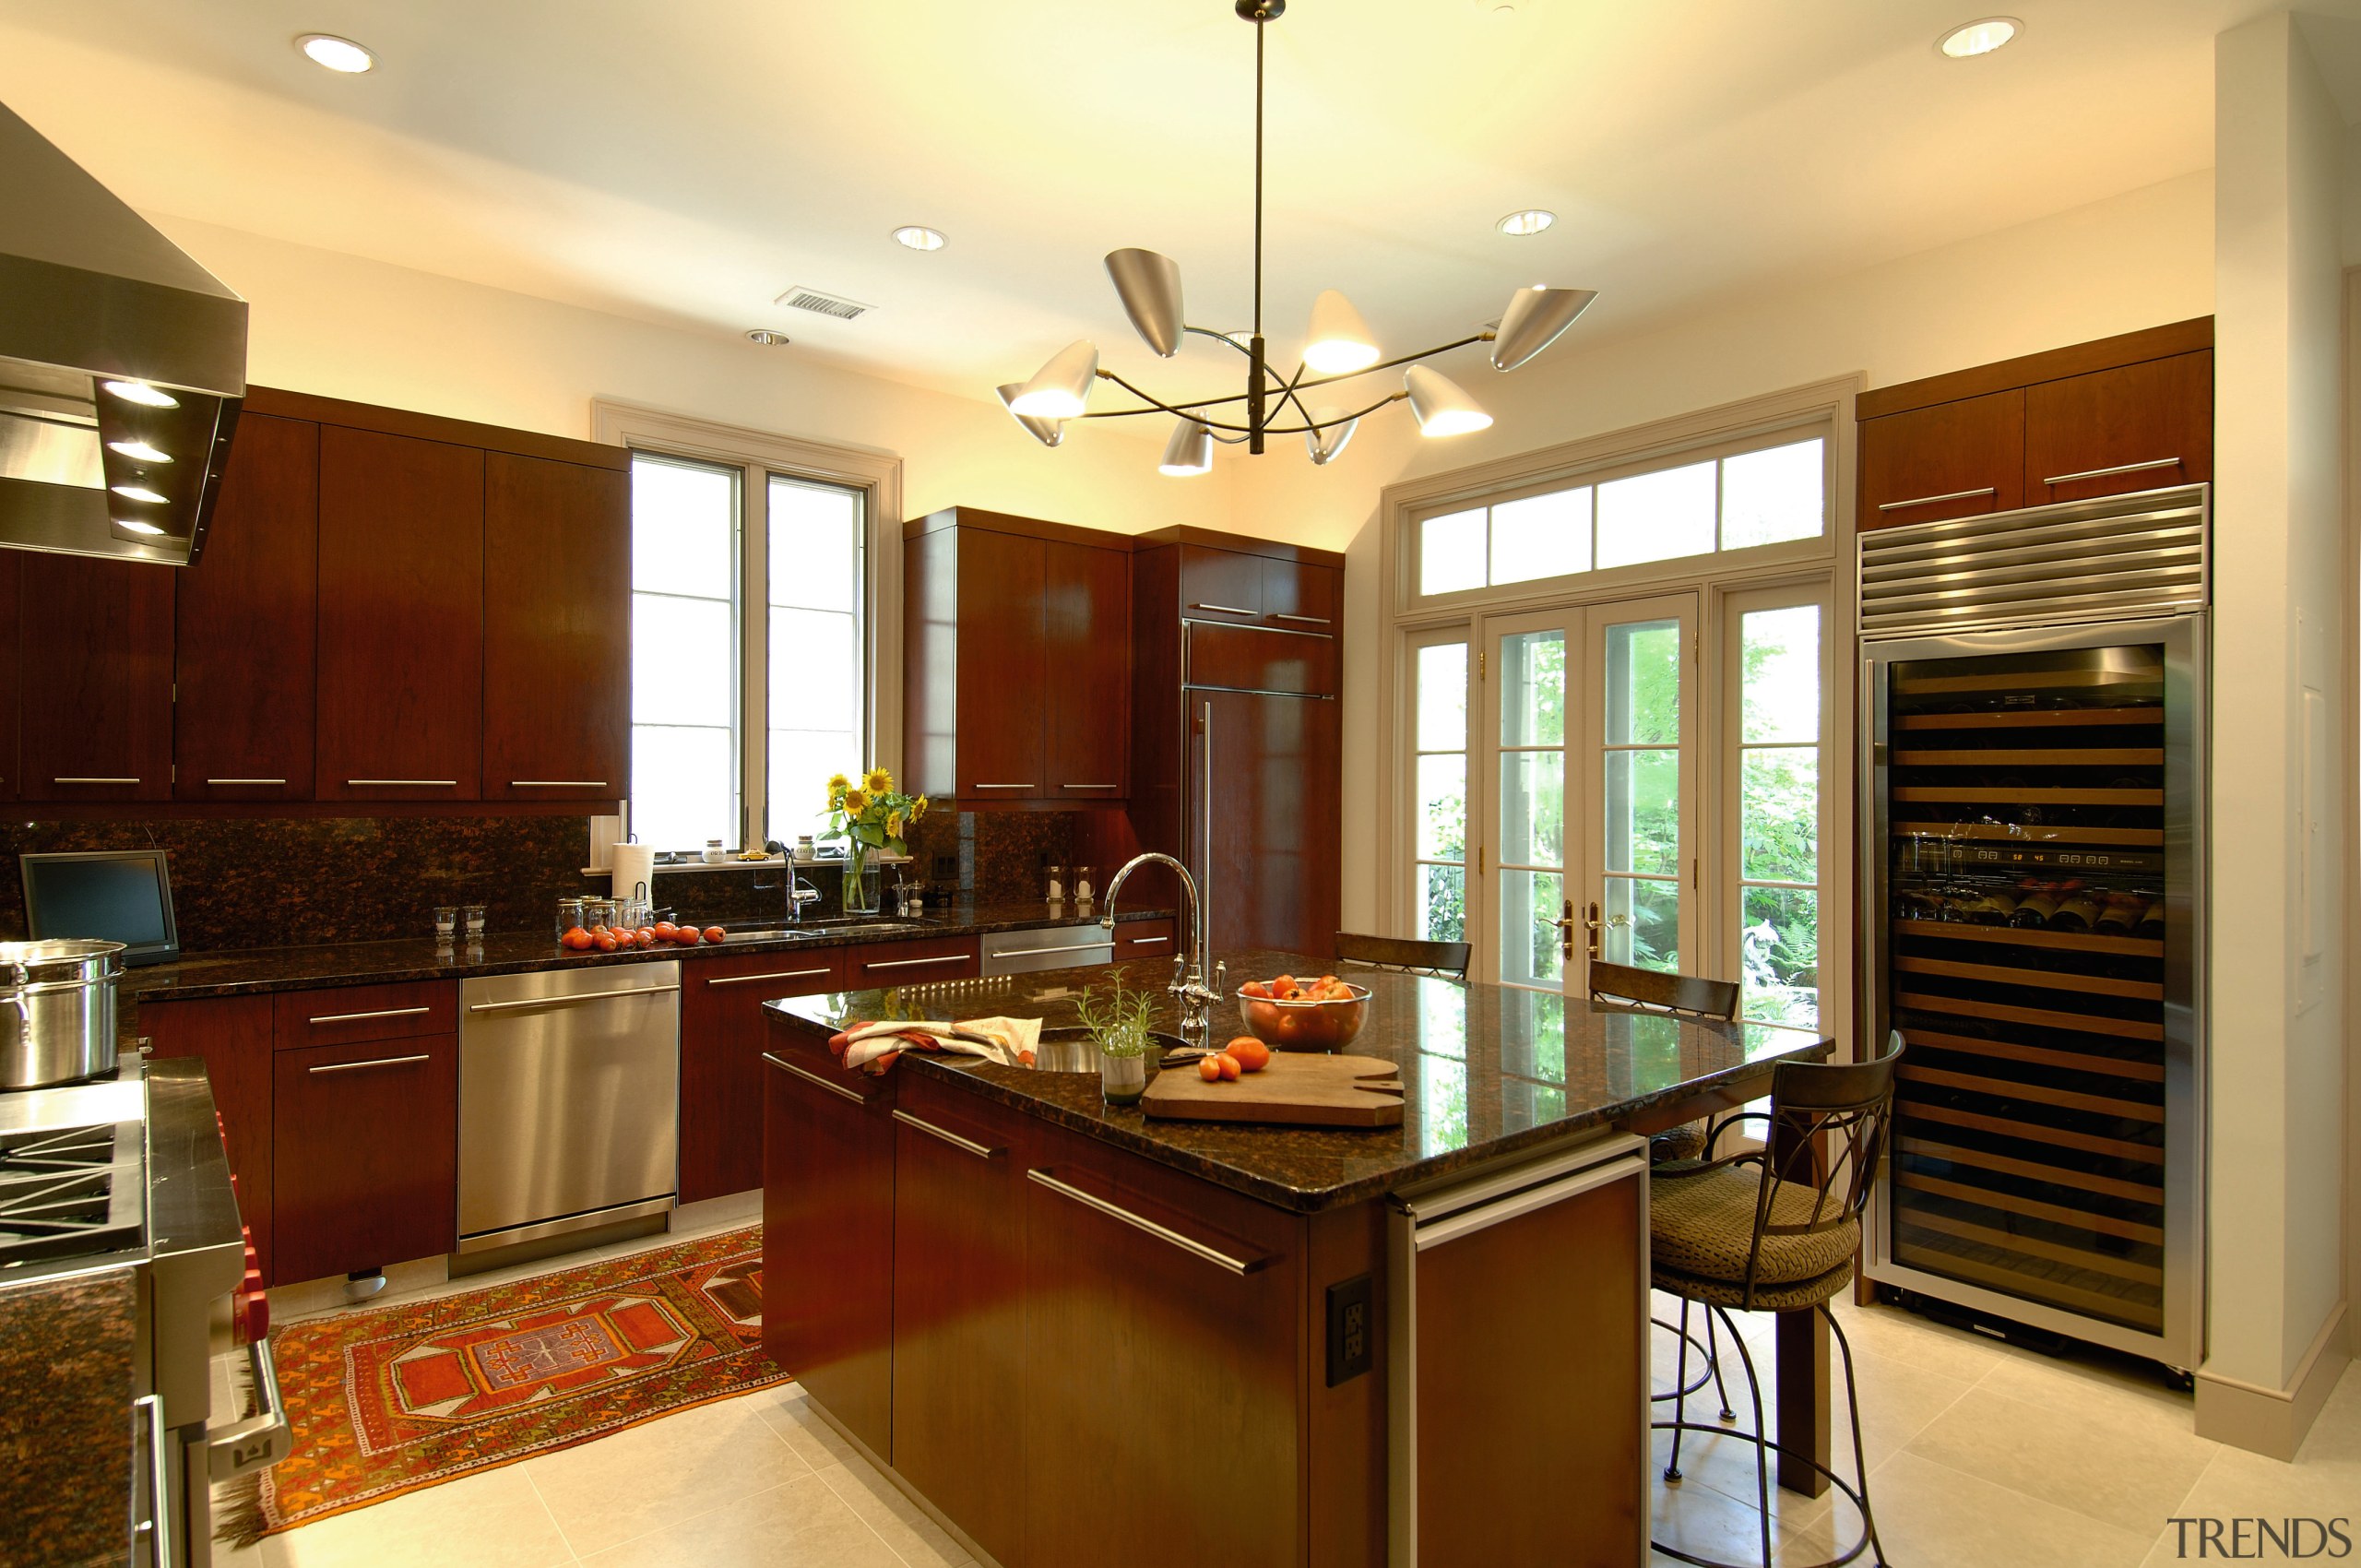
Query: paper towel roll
point(634, 865)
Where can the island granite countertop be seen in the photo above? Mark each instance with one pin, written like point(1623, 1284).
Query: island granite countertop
point(249, 972)
point(1486, 1071)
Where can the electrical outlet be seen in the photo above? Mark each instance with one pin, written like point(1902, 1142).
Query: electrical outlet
point(1351, 1335)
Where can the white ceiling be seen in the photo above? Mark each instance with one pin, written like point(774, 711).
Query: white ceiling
point(686, 162)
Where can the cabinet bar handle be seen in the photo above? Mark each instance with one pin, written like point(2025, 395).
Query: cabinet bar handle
point(1090, 786)
point(373, 1062)
point(409, 783)
point(2119, 469)
point(94, 781)
point(914, 963)
point(246, 781)
point(1139, 1222)
point(380, 1013)
point(816, 1081)
point(954, 1140)
point(1076, 947)
point(775, 974)
point(558, 784)
point(1307, 619)
point(568, 1000)
point(992, 786)
point(1146, 941)
point(1930, 500)
point(158, 1526)
point(1224, 609)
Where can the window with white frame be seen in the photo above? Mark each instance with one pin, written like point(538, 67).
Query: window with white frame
point(1745, 528)
point(1772, 492)
point(743, 703)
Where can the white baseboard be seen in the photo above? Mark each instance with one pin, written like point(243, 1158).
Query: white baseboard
point(2273, 1421)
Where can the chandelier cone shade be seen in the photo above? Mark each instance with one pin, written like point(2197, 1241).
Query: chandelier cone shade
point(1191, 450)
point(1339, 349)
point(1149, 285)
point(1533, 320)
point(1327, 443)
point(1441, 405)
point(1049, 432)
point(1061, 388)
point(1340, 341)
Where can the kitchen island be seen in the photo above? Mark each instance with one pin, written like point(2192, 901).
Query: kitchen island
point(1082, 1336)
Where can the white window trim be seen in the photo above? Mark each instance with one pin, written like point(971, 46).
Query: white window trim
point(875, 473)
point(1829, 403)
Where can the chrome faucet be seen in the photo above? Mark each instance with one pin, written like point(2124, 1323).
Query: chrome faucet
point(798, 892)
point(1191, 973)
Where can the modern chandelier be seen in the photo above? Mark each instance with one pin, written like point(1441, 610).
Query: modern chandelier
point(1340, 348)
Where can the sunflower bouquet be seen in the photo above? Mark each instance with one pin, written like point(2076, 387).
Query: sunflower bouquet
point(871, 813)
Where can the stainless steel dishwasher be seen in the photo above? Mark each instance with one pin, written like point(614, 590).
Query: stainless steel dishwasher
point(569, 1095)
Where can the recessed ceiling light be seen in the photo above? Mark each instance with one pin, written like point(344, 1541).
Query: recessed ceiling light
point(132, 525)
point(339, 54)
point(1532, 220)
point(139, 451)
point(1979, 37)
point(141, 393)
point(138, 492)
point(918, 237)
point(767, 338)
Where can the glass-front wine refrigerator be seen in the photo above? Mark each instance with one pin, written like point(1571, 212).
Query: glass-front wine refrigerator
point(2033, 847)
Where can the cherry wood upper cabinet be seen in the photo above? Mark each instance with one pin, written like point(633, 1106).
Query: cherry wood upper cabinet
point(1003, 587)
point(1220, 585)
point(1300, 595)
point(2104, 418)
point(11, 606)
point(401, 617)
point(1956, 459)
point(95, 663)
point(247, 616)
point(2135, 427)
point(1087, 641)
point(556, 630)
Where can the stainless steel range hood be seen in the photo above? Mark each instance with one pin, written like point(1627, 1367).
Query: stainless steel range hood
point(122, 366)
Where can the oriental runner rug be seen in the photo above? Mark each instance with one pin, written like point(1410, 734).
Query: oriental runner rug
point(400, 1398)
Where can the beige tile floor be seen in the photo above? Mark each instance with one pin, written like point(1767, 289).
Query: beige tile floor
point(1980, 1455)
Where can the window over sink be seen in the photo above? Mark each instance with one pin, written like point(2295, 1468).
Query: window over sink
point(759, 664)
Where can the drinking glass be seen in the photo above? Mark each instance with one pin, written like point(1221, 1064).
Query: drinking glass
point(446, 920)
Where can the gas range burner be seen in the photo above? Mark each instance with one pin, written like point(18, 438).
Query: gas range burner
point(70, 1192)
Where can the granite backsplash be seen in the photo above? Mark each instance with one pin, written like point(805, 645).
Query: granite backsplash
point(277, 881)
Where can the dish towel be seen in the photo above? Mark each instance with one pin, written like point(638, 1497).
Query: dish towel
point(871, 1048)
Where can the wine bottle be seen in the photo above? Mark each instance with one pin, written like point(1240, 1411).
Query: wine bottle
point(1990, 905)
point(2151, 920)
point(2120, 913)
point(2075, 911)
point(2039, 902)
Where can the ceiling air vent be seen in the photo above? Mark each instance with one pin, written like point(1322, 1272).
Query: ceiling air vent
point(800, 298)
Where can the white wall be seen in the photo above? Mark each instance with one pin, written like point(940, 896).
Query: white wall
point(2139, 260)
point(336, 324)
point(2277, 1071)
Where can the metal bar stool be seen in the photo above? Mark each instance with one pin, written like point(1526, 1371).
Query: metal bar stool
point(1409, 956)
point(1779, 1237)
point(1687, 997)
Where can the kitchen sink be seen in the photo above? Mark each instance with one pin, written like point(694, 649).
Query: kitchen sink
point(811, 928)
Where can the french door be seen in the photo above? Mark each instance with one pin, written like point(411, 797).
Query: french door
point(1583, 805)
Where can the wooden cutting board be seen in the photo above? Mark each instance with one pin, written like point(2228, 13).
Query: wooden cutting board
point(1299, 1089)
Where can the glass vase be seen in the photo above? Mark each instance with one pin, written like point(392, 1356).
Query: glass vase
point(1123, 1079)
point(863, 880)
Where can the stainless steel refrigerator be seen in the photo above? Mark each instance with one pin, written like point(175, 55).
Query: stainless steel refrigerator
point(2033, 687)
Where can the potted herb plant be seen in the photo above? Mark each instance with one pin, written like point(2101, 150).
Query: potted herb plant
point(1119, 1023)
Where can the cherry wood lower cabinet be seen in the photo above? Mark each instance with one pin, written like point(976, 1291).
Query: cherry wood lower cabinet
point(722, 1041)
point(365, 1150)
point(231, 1036)
point(828, 1235)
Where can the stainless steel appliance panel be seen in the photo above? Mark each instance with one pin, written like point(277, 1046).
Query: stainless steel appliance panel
point(1066, 947)
point(569, 1087)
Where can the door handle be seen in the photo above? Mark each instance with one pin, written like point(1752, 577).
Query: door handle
point(379, 1013)
point(1595, 926)
point(1140, 1222)
point(373, 1062)
point(570, 1000)
point(816, 1081)
point(967, 1146)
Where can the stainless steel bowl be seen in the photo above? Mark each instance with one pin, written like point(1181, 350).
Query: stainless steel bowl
point(56, 1011)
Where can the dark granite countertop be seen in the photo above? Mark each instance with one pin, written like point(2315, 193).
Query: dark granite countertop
point(66, 1418)
point(297, 968)
point(1486, 1071)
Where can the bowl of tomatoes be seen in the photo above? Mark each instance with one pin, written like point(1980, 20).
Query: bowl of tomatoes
point(1288, 1013)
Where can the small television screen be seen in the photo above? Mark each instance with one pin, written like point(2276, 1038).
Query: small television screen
point(110, 895)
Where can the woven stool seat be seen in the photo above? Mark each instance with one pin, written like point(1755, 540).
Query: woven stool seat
point(1796, 1296)
point(1702, 1224)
